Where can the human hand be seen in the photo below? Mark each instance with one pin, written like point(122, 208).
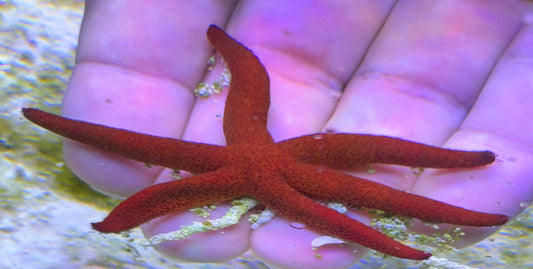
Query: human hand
point(140, 78)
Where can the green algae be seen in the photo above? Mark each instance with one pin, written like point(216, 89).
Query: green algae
point(204, 89)
point(397, 227)
point(238, 208)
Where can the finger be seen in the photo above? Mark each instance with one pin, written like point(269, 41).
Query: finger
point(137, 62)
point(500, 121)
point(309, 55)
point(212, 246)
point(422, 74)
point(281, 234)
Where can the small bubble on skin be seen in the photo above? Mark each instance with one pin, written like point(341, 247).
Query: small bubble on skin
point(318, 136)
point(297, 225)
point(324, 240)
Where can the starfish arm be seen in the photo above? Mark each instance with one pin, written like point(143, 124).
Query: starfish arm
point(246, 110)
point(343, 151)
point(161, 199)
point(327, 183)
point(291, 204)
point(168, 152)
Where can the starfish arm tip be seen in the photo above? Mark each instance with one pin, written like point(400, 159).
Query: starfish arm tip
point(105, 227)
point(29, 113)
point(425, 256)
point(212, 27)
point(503, 219)
point(488, 156)
point(99, 226)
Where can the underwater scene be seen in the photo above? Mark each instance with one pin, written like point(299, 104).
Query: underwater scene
point(47, 210)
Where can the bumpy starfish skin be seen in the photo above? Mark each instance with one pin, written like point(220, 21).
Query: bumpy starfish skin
point(276, 174)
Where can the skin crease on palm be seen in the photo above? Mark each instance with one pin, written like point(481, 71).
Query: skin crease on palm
point(456, 74)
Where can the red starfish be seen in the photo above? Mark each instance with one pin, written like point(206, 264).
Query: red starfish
point(276, 174)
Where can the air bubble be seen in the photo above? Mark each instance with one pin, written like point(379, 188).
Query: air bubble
point(318, 136)
point(297, 225)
